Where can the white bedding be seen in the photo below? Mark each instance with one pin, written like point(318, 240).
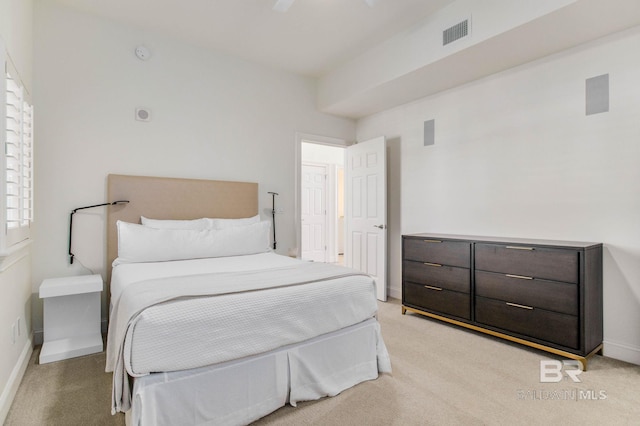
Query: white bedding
point(258, 306)
point(241, 391)
point(124, 274)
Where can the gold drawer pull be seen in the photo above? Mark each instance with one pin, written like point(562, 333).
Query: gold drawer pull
point(520, 248)
point(520, 277)
point(433, 264)
point(515, 305)
point(433, 288)
point(432, 241)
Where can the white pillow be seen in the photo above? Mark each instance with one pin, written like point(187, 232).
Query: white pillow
point(139, 243)
point(174, 224)
point(232, 223)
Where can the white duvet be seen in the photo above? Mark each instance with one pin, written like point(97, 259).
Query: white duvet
point(172, 316)
point(123, 274)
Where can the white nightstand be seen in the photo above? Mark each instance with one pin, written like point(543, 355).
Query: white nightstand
point(71, 317)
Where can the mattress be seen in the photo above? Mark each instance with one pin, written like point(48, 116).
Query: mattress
point(234, 307)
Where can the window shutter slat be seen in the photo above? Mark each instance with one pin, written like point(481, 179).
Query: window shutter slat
point(18, 159)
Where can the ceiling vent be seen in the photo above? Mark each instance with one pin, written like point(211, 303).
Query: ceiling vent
point(456, 32)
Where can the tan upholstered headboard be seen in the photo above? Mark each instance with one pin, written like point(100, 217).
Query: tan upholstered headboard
point(172, 198)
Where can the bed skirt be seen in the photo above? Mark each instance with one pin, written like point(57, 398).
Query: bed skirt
point(241, 391)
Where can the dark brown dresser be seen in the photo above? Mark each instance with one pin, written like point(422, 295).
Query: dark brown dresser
point(544, 294)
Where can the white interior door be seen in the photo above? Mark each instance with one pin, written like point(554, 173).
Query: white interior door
point(314, 212)
point(366, 210)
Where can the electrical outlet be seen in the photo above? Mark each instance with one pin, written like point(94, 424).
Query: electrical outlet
point(19, 326)
point(13, 333)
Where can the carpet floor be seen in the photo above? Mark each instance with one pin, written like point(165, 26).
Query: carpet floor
point(442, 375)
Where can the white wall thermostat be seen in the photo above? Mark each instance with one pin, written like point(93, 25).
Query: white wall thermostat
point(143, 53)
point(143, 114)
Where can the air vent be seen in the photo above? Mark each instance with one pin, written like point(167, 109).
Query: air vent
point(456, 32)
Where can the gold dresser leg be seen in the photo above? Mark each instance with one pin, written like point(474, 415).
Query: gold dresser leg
point(597, 350)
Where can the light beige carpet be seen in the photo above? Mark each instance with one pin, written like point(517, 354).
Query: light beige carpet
point(442, 375)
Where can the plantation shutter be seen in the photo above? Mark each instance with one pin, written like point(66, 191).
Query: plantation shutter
point(18, 161)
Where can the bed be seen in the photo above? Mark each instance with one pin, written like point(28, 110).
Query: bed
point(208, 326)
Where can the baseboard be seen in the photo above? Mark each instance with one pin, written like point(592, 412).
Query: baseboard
point(621, 352)
point(395, 293)
point(11, 388)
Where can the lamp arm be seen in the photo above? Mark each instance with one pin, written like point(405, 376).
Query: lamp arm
point(100, 205)
point(71, 255)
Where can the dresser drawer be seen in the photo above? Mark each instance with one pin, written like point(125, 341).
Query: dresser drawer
point(447, 277)
point(553, 327)
point(548, 295)
point(441, 301)
point(451, 253)
point(545, 263)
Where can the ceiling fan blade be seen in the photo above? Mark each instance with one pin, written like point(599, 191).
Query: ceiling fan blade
point(282, 5)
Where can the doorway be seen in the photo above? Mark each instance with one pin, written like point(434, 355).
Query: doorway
point(321, 195)
point(361, 206)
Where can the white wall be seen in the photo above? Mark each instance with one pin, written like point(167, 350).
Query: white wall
point(16, 25)
point(213, 117)
point(515, 155)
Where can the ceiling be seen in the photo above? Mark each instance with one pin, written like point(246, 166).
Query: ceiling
point(311, 38)
point(321, 38)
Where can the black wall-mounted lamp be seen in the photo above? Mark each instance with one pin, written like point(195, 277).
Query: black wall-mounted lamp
point(273, 216)
point(71, 255)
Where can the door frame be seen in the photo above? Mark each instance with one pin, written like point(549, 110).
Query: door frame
point(309, 138)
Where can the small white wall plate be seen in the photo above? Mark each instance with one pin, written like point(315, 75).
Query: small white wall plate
point(143, 114)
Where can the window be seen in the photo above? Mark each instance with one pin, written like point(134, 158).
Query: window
point(17, 159)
